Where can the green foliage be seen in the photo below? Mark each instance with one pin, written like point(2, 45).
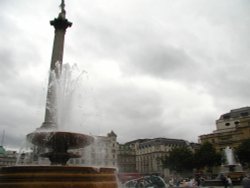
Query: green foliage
point(206, 156)
point(179, 159)
point(183, 159)
point(243, 152)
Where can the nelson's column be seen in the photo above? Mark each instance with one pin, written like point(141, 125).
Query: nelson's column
point(60, 24)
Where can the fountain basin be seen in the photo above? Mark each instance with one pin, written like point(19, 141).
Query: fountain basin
point(59, 143)
point(55, 139)
point(57, 177)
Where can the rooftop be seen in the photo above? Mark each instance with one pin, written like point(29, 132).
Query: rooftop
point(236, 113)
point(163, 141)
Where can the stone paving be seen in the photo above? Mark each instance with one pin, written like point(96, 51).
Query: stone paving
point(235, 186)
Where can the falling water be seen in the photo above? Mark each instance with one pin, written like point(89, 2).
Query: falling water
point(66, 89)
point(67, 107)
point(99, 149)
point(64, 108)
point(230, 159)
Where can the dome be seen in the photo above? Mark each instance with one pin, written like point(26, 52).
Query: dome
point(2, 151)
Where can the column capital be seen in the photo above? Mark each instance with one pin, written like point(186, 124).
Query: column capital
point(60, 23)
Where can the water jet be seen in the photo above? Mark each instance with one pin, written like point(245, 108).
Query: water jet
point(230, 167)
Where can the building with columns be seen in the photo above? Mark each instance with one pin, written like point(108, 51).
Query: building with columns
point(231, 129)
point(146, 155)
point(126, 162)
point(150, 153)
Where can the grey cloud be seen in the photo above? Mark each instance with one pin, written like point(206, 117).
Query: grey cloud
point(128, 110)
point(160, 61)
point(130, 102)
point(137, 48)
point(7, 64)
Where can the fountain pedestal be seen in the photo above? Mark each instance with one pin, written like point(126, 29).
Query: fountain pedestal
point(57, 177)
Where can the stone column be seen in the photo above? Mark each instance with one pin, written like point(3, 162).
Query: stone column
point(60, 24)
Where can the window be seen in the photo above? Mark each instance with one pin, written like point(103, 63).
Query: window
point(236, 122)
point(244, 114)
point(229, 137)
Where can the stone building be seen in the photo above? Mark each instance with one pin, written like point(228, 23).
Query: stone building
point(149, 154)
point(7, 158)
point(126, 162)
point(231, 129)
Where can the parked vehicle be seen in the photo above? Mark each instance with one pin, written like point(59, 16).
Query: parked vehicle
point(147, 182)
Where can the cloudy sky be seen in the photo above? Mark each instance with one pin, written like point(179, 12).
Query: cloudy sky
point(151, 68)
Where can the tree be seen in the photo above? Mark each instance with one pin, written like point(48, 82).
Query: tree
point(179, 159)
point(243, 153)
point(206, 156)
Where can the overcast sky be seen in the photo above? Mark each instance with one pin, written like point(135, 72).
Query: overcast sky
point(152, 68)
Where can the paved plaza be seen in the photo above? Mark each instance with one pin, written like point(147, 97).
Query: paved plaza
point(236, 186)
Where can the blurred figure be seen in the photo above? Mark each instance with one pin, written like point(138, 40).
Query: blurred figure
point(198, 180)
point(229, 182)
point(171, 182)
point(192, 183)
point(246, 181)
point(224, 180)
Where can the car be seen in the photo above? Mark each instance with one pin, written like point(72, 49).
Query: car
point(151, 181)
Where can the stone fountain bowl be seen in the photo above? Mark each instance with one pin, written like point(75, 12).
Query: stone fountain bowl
point(59, 143)
point(55, 139)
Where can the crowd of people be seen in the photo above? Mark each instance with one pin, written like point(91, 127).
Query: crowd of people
point(227, 181)
point(246, 181)
point(185, 182)
point(198, 181)
point(177, 181)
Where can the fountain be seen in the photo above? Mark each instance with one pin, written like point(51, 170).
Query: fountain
point(229, 167)
point(56, 143)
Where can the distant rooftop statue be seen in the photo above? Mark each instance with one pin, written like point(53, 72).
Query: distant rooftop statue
point(63, 12)
point(62, 6)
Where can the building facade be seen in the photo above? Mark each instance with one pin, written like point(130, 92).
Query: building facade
point(148, 155)
point(231, 129)
point(7, 158)
point(126, 162)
